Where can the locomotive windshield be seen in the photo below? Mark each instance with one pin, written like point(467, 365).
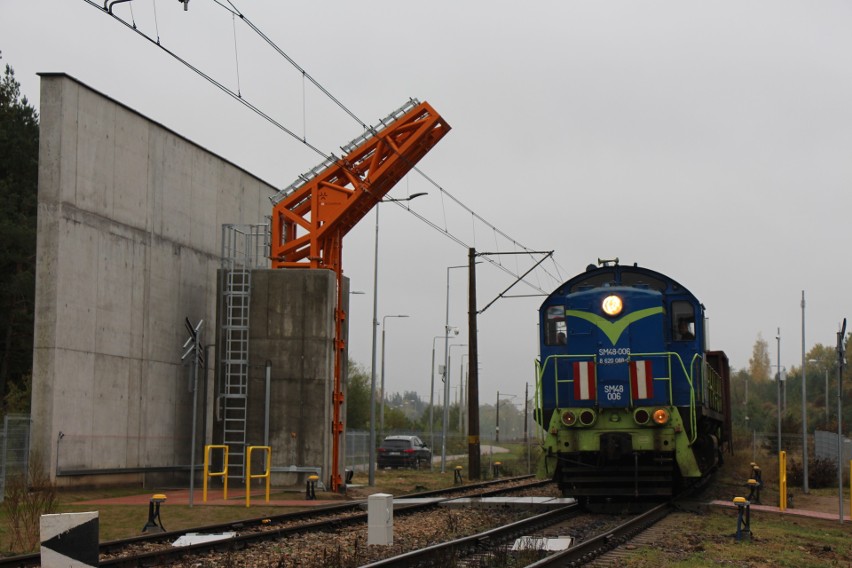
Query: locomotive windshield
point(683, 321)
point(556, 332)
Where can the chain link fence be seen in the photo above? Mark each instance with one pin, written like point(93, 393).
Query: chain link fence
point(15, 446)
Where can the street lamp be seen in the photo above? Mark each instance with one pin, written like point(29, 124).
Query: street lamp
point(372, 466)
point(446, 363)
point(497, 420)
point(432, 391)
point(778, 339)
point(446, 422)
point(384, 327)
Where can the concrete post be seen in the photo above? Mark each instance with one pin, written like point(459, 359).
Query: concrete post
point(380, 519)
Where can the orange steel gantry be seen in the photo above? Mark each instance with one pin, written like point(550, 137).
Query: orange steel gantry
point(311, 217)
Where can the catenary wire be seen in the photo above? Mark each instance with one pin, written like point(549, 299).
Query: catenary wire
point(235, 12)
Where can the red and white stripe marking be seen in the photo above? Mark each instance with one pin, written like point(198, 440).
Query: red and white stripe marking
point(641, 380)
point(584, 380)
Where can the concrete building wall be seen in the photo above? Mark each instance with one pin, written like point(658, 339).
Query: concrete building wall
point(292, 332)
point(129, 232)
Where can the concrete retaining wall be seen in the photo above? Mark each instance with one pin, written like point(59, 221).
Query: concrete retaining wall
point(129, 231)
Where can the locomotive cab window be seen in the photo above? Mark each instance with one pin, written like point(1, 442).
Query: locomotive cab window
point(683, 321)
point(556, 332)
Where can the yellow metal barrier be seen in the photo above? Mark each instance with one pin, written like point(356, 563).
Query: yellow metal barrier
point(266, 474)
point(782, 480)
point(207, 473)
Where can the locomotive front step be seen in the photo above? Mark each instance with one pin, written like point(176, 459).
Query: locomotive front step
point(650, 477)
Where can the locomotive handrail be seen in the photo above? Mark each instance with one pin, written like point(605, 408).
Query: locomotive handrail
point(693, 418)
point(538, 402)
point(556, 379)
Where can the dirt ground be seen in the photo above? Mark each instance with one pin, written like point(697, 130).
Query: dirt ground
point(821, 503)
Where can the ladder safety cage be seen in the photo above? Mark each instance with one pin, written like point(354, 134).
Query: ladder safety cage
point(244, 248)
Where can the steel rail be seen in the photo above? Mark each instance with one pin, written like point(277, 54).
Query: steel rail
point(110, 547)
point(438, 554)
point(586, 551)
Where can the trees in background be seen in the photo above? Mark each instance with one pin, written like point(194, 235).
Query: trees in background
point(18, 208)
point(754, 392)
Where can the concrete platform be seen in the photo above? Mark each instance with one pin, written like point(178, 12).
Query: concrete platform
point(788, 511)
point(402, 502)
point(514, 502)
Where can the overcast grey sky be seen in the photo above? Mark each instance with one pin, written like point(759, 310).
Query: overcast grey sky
point(711, 141)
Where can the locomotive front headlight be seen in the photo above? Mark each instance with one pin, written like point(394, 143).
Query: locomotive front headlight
point(587, 417)
point(641, 416)
point(661, 416)
point(612, 305)
point(569, 418)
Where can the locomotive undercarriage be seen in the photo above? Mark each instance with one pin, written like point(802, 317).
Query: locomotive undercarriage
point(616, 471)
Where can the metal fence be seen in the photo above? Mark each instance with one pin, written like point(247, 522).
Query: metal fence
point(357, 450)
point(15, 446)
point(358, 447)
point(825, 447)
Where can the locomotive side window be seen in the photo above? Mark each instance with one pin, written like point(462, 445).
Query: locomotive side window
point(683, 321)
point(556, 332)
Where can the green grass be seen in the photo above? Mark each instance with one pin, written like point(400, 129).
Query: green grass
point(123, 521)
point(777, 541)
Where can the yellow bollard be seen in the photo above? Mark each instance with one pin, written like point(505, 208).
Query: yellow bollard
point(266, 474)
point(208, 473)
point(782, 480)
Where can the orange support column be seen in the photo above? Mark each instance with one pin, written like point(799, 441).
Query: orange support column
point(311, 216)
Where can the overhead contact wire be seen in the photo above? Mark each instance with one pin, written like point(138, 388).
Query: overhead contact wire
point(236, 55)
point(235, 12)
point(217, 84)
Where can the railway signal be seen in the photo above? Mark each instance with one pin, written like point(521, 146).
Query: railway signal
point(193, 346)
point(193, 343)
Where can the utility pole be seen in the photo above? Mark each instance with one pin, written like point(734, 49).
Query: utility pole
point(473, 375)
point(804, 406)
point(841, 362)
point(497, 421)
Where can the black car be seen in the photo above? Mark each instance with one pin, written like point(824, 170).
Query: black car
point(403, 451)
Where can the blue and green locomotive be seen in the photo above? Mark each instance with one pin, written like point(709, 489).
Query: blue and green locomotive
point(630, 402)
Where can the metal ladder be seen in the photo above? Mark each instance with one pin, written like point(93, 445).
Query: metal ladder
point(244, 248)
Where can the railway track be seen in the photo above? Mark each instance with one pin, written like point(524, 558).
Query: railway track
point(149, 550)
point(597, 539)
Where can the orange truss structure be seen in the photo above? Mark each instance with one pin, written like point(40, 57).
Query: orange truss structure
point(311, 217)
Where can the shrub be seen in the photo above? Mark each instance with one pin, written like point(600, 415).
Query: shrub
point(821, 473)
point(29, 495)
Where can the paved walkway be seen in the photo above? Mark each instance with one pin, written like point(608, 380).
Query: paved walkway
point(214, 497)
point(788, 511)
